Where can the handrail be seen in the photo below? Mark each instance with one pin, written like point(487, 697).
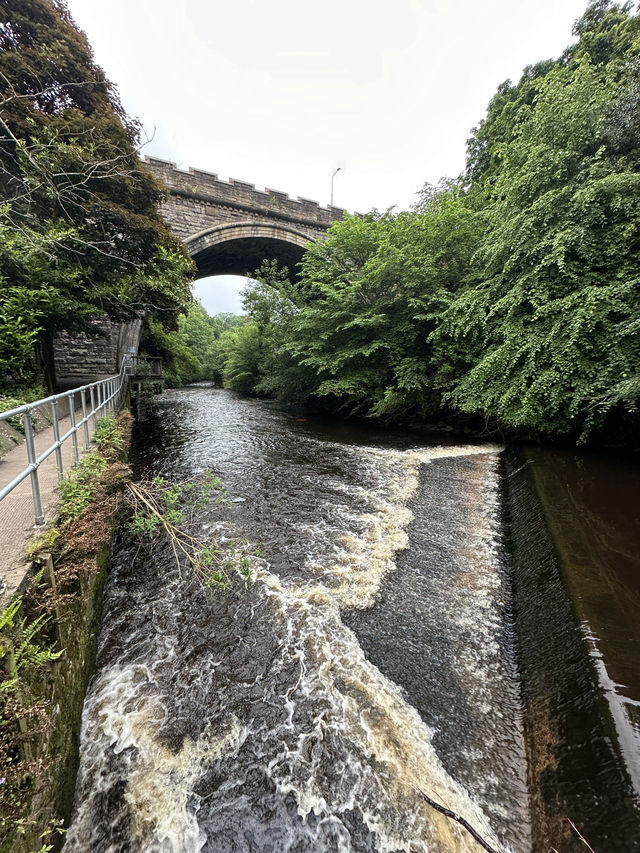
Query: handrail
point(105, 395)
point(147, 365)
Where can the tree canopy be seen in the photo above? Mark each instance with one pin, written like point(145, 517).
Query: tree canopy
point(80, 231)
point(510, 294)
point(550, 326)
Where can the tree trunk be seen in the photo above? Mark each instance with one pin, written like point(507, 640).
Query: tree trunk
point(46, 361)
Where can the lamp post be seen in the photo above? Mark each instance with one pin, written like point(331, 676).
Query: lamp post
point(332, 177)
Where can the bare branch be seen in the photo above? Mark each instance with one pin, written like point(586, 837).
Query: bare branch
point(581, 836)
point(448, 813)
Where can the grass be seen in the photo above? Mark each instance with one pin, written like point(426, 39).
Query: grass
point(18, 398)
point(80, 485)
point(41, 687)
point(42, 543)
point(108, 435)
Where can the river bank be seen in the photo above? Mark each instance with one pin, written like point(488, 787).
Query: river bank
point(48, 639)
point(576, 607)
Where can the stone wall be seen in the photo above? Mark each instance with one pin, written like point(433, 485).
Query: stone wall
point(80, 359)
point(43, 728)
point(200, 202)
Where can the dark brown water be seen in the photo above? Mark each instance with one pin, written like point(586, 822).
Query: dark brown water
point(592, 507)
point(581, 598)
point(373, 654)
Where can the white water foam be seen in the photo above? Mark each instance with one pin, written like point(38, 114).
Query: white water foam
point(362, 706)
point(350, 568)
point(355, 719)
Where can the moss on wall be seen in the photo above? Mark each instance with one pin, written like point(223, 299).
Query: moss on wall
point(48, 640)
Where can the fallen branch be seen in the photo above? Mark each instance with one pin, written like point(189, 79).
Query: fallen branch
point(580, 835)
point(448, 813)
point(162, 507)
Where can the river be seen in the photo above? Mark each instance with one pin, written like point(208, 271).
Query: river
point(376, 653)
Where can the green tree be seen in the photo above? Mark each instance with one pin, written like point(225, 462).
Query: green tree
point(197, 349)
point(180, 364)
point(377, 286)
point(508, 108)
point(80, 230)
point(225, 326)
point(272, 301)
point(607, 35)
point(551, 327)
point(198, 332)
point(242, 367)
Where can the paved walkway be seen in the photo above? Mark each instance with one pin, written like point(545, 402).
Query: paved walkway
point(17, 523)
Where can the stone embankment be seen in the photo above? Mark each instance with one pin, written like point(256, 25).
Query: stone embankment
point(49, 619)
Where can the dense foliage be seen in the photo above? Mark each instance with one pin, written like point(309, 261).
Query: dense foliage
point(510, 295)
point(549, 327)
point(196, 350)
point(80, 232)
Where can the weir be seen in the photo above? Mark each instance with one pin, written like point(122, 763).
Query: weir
point(383, 647)
point(575, 766)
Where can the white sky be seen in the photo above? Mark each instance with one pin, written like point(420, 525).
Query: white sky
point(280, 92)
point(220, 293)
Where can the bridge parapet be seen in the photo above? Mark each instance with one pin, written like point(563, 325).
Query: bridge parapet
point(200, 191)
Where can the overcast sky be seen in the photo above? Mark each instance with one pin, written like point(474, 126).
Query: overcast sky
point(281, 92)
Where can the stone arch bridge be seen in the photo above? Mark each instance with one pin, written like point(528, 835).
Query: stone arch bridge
point(228, 227)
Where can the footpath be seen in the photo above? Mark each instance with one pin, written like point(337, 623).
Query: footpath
point(17, 521)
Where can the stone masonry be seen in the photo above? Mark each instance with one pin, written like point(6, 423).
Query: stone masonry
point(228, 227)
point(199, 201)
point(81, 359)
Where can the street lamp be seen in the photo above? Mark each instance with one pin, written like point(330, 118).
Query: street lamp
point(332, 177)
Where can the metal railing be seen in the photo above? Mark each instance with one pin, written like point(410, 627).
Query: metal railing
point(146, 367)
point(96, 400)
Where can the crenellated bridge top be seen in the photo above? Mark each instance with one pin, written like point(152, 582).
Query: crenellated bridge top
point(228, 227)
point(231, 227)
point(240, 196)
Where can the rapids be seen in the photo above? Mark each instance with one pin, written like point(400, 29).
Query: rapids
point(372, 655)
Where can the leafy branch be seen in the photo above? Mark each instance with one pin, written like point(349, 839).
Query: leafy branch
point(24, 715)
point(161, 508)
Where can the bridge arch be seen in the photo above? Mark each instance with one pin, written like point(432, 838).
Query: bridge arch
point(229, 227)
point(237, 248)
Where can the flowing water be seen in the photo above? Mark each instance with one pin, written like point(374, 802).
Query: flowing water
point(371, 657)
point(574, 526)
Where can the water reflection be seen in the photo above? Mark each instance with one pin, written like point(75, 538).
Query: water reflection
point(592, 508)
